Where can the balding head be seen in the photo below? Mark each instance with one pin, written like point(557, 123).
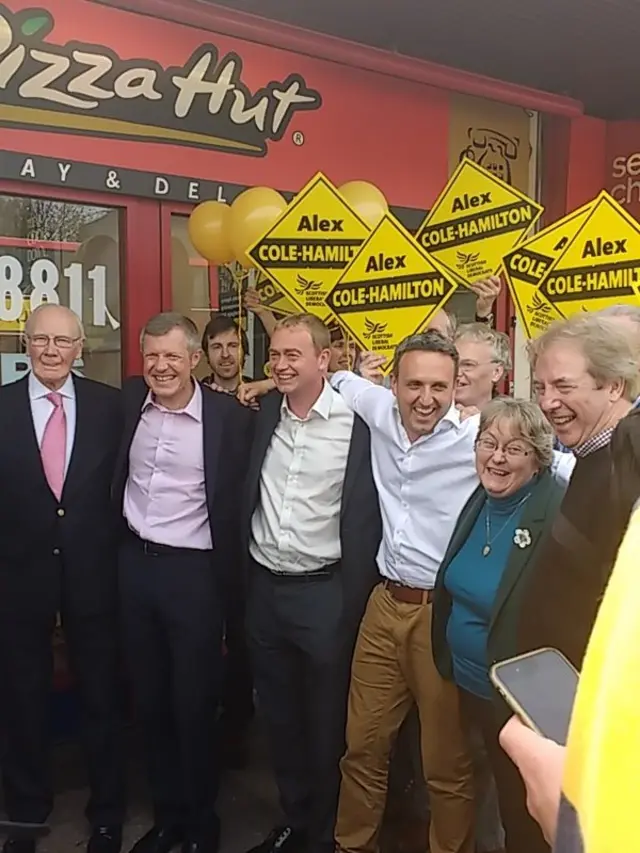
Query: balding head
point(54, 338)
point(442, 322)
point(50, 309)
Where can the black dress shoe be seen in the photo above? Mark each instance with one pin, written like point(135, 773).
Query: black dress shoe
point(19, 845)
point(283, 839)
point(105, 839)
point(159, 839)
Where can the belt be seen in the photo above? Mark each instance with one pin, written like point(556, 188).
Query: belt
point(155, 549)
point(301, 577)
point(408, 594)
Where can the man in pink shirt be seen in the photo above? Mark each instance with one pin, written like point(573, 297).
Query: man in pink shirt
point(179, 480)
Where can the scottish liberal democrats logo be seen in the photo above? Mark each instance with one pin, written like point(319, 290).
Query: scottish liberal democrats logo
point(87, 88)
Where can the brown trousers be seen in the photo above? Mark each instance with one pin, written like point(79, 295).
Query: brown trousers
point(392, 667)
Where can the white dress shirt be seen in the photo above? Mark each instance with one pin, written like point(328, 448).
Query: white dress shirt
point(42, 409)
point(296, 525)
point(422, 485)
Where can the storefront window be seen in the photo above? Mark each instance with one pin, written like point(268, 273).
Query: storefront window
point(53, 251)
point(191, 291)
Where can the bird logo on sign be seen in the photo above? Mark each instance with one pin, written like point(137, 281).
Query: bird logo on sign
point(464, 259)
point(306, 285)
point(538, 306)
point(372, 328)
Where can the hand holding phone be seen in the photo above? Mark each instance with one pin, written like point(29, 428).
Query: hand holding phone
point(540, 687)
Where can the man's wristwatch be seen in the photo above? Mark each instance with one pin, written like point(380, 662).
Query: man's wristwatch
point(488, 319)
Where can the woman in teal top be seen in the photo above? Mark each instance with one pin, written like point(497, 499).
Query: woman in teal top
point(482, 578)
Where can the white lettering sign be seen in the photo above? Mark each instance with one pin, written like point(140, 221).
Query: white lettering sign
point(22, 290)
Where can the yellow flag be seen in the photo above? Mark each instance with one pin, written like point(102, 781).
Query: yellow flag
point(602, 777)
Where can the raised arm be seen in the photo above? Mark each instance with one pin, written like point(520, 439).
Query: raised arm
point(370, 401)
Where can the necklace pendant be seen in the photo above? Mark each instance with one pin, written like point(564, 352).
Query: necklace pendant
point(486, 550)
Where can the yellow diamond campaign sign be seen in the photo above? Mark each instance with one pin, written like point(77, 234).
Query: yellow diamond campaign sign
point(474, 223)
point(527, 265)
point(391, 289)
point(311, 245)
point(600, 266)
point(274, 298)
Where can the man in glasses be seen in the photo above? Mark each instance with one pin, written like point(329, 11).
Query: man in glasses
point(485, 359)
point(58, 442)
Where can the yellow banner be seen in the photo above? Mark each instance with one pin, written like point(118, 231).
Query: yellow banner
point(600, 266)
point(310, 246)
point(476, 220)
point(390, 290)
point(527, 265)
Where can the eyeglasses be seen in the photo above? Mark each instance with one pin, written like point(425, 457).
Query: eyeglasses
point(511, 451)
point(59, 341)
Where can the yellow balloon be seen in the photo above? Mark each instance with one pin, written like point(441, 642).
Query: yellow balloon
point(366, 199)
point(252, 214)
point(209, 230)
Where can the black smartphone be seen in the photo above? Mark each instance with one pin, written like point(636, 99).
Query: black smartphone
point(540, 687)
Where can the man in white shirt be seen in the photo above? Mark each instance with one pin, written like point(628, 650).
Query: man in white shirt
point(423, 468)
point(313, 528)
point(423, 465)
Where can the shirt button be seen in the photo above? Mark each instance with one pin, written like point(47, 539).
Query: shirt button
point(61, 512)
point(56, 552)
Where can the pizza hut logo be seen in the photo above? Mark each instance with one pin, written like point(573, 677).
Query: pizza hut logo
point(89, 89)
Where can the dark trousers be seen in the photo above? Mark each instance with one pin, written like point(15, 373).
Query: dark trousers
point(302, 660)
point(523, 835)
point(172, 617)
point(237, 696)
point(26, 676)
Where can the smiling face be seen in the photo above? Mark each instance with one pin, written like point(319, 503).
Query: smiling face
point(168, 363)
point(424, 389)
point(577, 406)
point(477, 372)
point(505, 460)
point(297, 367)
point(54, 342)
point(223, 352)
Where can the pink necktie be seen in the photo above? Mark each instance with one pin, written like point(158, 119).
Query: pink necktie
point(54, 445)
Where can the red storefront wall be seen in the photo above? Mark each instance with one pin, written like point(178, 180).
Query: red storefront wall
point(378, 117)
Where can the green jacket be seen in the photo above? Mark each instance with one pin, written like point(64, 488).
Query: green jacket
point(537, 518)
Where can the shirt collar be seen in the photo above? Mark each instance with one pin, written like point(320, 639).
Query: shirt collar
point(322, 405)
point(193, 408)
point(596, 442)
point(37, 391)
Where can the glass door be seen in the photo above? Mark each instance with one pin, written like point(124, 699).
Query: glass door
point(81, 251)
point(189, 284)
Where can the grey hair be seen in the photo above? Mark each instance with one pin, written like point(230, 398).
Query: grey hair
point(166, 322)
point(429, 341)
point(630, 311)
point(47, 306)
point(483, 334)
point(528, 419)
point(610, 356)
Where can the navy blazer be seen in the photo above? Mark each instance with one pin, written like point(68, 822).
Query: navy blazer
point(227, 428)
point(360, 523)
